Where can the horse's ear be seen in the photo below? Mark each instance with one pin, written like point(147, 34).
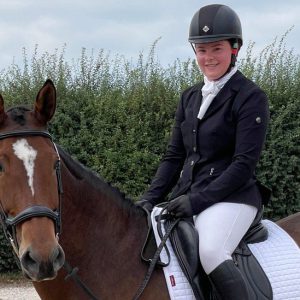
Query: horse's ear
point(45, 103)
point(2, 111)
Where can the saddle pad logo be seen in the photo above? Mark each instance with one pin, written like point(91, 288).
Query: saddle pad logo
point(172, 280)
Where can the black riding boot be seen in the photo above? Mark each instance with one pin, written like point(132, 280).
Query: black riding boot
point(229, 282)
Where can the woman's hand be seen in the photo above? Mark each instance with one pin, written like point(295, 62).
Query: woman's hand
point(146, 204)
point(181, 207)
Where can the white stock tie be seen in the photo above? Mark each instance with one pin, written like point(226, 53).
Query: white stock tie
point(211, 89)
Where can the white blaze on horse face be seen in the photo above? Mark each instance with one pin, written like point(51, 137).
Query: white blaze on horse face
point(27, 154)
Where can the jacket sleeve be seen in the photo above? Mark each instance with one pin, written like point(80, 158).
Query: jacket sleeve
point(252, 116)
point(171, 164)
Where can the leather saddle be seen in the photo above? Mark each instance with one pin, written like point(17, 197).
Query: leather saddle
point(184, 240)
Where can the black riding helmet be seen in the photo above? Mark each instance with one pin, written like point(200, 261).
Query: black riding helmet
point(214, 23)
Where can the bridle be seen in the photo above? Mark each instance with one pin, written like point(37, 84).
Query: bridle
point(9, 224)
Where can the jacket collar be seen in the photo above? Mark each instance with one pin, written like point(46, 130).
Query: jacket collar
point(229, 89)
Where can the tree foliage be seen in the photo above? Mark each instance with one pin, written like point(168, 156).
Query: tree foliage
point(115, 116)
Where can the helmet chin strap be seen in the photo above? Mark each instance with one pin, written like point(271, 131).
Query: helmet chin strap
point(193, 47)
point(234, 53)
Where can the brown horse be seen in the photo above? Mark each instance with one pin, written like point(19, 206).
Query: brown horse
point(102, 232)
point(291, 224)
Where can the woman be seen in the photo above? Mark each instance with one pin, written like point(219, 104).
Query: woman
point(219, 132)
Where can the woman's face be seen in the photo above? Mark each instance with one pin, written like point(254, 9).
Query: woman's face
point(213, 58)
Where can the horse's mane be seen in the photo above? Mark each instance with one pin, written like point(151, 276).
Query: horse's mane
point(81, 172)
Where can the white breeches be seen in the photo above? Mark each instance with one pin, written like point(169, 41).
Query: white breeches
point(221, 227)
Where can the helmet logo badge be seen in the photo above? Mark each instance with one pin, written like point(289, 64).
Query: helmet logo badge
point(205, 28)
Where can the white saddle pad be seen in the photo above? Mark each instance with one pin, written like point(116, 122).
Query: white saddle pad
point(279, 256)
point(178, 286)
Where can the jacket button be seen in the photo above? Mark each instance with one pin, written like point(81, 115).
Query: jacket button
point(194, 131)
point(194, 148)
point(258, 120)
point(192, 162)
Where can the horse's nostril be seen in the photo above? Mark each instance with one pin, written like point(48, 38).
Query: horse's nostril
point(58, 258)
point(28, 261)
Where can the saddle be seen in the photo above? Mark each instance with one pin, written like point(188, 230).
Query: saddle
point(184, 240)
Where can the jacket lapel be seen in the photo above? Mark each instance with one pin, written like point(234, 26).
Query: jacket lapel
point(196, 107)
point(225, 93)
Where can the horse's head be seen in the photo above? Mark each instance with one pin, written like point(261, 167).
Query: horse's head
point(30, 187)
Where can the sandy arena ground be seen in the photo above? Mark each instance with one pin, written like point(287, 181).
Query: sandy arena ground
point(18, 291)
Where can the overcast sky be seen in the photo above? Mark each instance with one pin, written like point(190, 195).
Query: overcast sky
point(130, 27)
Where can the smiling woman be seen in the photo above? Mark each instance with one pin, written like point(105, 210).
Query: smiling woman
point(214, 182)
point(214, 58)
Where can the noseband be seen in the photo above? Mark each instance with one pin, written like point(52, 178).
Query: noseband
point(10, 223)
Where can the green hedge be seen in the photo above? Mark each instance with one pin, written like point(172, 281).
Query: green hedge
point(115, 116)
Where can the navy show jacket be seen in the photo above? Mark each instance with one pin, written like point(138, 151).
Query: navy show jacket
point(214, 159)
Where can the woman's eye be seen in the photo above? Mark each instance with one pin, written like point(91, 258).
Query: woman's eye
point(200, 52)
point(218, 49)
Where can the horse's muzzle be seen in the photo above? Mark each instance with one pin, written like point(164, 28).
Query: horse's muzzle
point(38, 269)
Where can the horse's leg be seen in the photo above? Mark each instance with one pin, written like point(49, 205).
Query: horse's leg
point(291, 225)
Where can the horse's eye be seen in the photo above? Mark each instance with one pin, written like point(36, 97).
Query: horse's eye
point(1, 168)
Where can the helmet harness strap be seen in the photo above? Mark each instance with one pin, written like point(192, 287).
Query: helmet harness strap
point(234, 52)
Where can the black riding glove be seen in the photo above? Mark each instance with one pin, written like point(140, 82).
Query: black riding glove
point(146, 204)
point(181, 207)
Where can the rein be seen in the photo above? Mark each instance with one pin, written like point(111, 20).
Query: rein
point(155, 259)
point(72, 273)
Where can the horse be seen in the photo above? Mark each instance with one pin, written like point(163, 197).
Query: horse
point(58, 213)
point(291, 224)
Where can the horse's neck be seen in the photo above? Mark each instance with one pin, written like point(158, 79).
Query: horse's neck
point(102, 239)
point(97, 213)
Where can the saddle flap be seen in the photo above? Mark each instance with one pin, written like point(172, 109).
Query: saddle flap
point(257, 231)
point(185, 242)
point(258, 283)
